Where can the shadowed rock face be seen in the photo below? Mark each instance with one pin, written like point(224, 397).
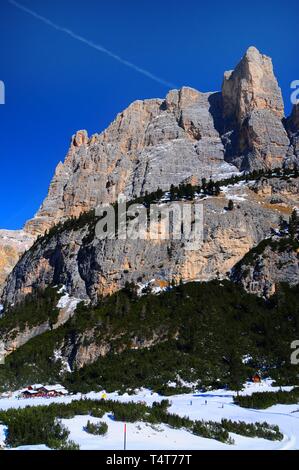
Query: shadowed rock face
point(277, 259)
point(292, 125)
point(263, 274)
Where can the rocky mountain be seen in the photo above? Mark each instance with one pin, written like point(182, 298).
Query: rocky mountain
point(152, 144)
point(158, 142)
point(90, 268)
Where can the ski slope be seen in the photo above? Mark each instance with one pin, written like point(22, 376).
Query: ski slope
point(213, 406)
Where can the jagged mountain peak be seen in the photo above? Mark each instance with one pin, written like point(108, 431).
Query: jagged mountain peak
point(253, 54)
point(253, 111)
point(251, 86)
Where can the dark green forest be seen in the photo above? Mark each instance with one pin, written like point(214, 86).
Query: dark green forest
point(196, 332)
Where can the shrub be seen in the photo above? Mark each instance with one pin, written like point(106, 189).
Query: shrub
point(162, 405)
point(262, 430)
point(211, 430)
point(97, 413)
point(99, 429)
point(69, 445)
point(262, 400)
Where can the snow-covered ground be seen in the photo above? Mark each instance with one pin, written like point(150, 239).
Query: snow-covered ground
point(213, 405)
point(236, 192)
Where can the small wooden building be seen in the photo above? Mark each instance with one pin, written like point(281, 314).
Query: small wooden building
point(29, 393)
point(256, 378)
point(44, 391)
point(52, 390)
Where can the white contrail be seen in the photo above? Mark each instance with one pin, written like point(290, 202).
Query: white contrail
point(92, 44)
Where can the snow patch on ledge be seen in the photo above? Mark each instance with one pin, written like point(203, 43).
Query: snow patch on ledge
point(66, 301)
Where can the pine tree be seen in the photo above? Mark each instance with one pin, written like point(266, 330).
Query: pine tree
point(230, 205)
point(282, 224)
point(210, 187)
point(293, 224)
point(217, 189)
point(189, 191)
point(159, 193)
point(181, 191)
point(172, 193)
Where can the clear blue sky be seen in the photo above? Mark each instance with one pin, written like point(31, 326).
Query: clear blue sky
point(56, 85)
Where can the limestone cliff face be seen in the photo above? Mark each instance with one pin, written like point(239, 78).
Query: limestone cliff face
point(253, 111)
point(158, 142)
point(251, 86)
point(276, 260)
point(264, 271)
point(279, 192)
point(90, 268)
point(153, 143)
point(12, 244)
point(85, 349)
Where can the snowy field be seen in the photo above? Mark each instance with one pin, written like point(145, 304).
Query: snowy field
point(213, 406)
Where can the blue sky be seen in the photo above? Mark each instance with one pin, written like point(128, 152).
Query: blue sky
point(56, 85)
